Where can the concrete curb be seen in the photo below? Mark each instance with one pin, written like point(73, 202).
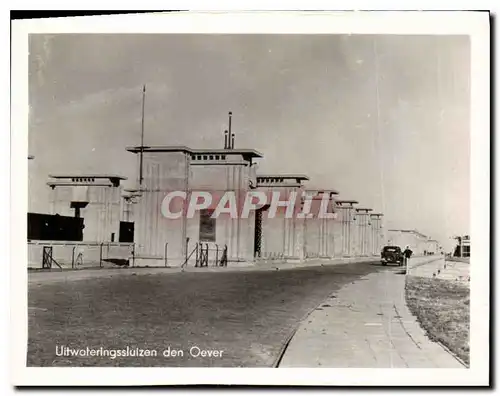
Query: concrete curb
point(44, 276)
point(290, 336)
point(451, 353)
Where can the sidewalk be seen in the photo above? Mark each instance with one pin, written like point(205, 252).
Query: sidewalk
point(365, 325)
point(441, 269)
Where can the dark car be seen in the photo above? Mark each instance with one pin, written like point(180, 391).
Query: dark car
point(391, 254)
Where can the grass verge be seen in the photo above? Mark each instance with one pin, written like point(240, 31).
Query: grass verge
point(442, 308)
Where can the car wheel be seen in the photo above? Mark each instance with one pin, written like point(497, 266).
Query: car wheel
point(383, 263)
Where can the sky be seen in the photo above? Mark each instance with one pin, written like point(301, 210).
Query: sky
point(382, 119)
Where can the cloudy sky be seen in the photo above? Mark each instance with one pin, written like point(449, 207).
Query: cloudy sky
point(383, 119)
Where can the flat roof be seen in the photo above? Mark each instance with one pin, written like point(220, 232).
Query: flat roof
point(132, 190)
point(246, 152)
point(346, 201)
point(283, 176)
point(322, 190)
point(363, 209)
point(69, 183)
point(412, 231)
point(95, 176)
point(154, 149)
point(330, 191)
point(249, 153)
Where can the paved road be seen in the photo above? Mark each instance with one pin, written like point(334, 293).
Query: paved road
point(246, 314)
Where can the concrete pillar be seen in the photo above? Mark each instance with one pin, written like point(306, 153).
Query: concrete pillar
point(350, 226)
point(351, 236)
point(362, 220)
point(163, 172)
point(376, 233)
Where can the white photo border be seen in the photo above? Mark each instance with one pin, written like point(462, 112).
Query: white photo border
point(474, 24)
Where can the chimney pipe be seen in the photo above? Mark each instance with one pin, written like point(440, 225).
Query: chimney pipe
point(226, 140)
point(232, 141)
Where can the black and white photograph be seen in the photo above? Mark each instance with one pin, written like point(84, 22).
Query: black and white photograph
point(273, 191)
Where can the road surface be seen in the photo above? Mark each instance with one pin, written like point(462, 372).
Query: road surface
point(226, 319)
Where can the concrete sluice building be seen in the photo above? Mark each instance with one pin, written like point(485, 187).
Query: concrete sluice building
point(259, 237)
point(462, 248)
point(170, 241)
point(419, 243)
point(278, 237)
point(158, 220)
point(96, 198)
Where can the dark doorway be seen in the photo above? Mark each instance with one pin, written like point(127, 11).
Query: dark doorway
point(257, 241)
point(126, 231)
point(207, 226)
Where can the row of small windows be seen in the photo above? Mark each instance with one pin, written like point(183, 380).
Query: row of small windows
point(208, 157)
point(82, 179)
point(277, 180)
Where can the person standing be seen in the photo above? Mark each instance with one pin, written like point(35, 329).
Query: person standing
point(407, 254)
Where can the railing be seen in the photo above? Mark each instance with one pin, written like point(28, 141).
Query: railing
point(166, 254)
point(202, 255)
point(70, 255)
point(47, 259)
point(189, 256)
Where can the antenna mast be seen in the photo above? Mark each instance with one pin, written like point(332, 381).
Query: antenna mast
point(231, 135)
point(142, 137)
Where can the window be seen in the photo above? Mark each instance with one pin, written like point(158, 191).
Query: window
point(205, 157)
point(207, 226)
point(223, 157)
point(199, 157)
point(211, 157)
point(217, 157)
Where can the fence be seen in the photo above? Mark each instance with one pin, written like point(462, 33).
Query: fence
point(205, 255)
point(74, 255)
